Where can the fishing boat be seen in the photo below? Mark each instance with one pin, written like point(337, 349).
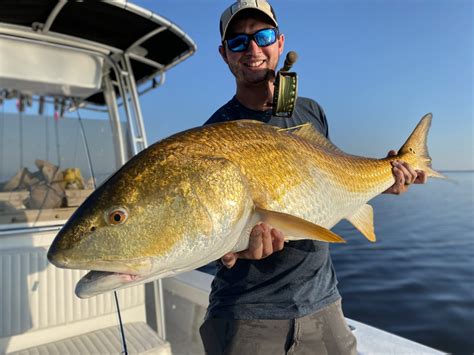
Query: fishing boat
point(81, 67)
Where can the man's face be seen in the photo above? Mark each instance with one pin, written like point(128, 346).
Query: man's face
point(256, 64)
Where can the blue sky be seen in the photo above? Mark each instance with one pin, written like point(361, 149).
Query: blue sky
point(375, 66)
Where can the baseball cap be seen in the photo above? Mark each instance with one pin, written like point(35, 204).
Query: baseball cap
point(235, 8)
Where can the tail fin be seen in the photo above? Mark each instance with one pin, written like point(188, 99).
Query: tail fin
point(416, 147)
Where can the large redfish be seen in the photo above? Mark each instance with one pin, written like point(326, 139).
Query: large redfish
point(190, 198)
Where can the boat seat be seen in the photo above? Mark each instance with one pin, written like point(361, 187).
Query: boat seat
point(139, 336)
point(40, 314)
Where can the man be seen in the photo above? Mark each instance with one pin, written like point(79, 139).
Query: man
point(271, 298)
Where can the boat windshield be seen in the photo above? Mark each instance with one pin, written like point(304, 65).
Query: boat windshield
point(45, 170)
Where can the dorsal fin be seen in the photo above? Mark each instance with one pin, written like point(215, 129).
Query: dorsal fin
point(308, 132)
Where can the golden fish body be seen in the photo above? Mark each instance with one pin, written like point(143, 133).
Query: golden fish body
point(189, 199)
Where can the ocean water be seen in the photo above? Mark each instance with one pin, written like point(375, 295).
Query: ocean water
point(417, 280)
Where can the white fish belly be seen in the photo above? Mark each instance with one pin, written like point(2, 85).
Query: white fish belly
point(321, 201)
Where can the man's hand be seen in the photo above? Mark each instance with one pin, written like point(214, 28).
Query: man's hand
point(264, 241)
point(404, 176)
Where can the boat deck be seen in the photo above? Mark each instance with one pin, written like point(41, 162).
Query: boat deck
point(13, 212)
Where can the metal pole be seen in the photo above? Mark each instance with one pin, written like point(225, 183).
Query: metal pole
point(52, 16)
point(111, 100)
point(157, 285)
point(159, 309)
point(136, 102)
point(123, 91)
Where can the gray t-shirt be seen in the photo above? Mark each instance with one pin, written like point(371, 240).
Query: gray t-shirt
point(288, 284)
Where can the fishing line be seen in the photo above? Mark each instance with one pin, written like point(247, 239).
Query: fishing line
point(2, 128)
point(20, 134)
point(86, 145)
point(46, 130)
point(89, 160)
point(76, 143)
point(56, 133)
point(41, 209)
point(121, 324)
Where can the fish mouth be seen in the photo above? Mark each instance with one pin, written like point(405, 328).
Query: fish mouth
point(105, 275)
point(97, 282)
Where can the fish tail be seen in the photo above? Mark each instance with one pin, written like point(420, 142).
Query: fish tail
point(416, 148)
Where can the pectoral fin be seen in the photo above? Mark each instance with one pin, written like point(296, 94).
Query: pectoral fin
point(295, 228)
point(363, 220)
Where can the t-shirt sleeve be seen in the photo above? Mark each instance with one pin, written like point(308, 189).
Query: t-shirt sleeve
point(308, 110)
point(322, 117)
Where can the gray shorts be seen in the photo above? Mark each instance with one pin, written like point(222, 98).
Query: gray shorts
point(323, 332)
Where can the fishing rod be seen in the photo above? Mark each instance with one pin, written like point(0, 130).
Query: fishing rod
point(285, 88)
point(89, 161)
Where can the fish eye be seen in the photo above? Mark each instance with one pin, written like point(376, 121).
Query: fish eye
point(117, 216)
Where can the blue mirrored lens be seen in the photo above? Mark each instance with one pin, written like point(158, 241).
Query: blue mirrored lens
point(239, 43)
point(265, 37)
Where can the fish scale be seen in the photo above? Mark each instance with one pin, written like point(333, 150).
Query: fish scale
point(192, 197)
point(256, 157)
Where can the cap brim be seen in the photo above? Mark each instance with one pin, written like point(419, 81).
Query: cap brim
point(224, 30)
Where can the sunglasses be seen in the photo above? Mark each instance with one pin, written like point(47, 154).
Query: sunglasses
point(240, 42)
